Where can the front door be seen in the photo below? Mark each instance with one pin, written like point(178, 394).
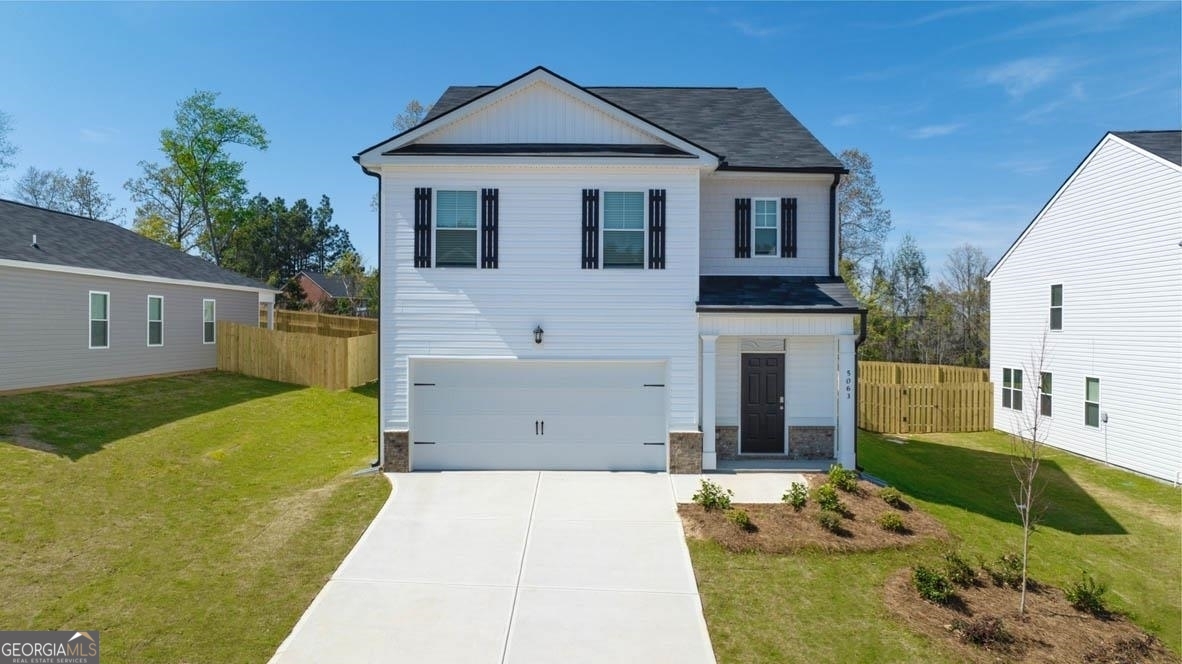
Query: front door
point(762, 404)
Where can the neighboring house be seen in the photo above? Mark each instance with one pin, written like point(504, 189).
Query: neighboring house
point(1100, 271)
point(610, 278)
point(84, 300)
point(324, 291)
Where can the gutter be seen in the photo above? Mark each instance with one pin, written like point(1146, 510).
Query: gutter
point(378, 462)
point(833, 224)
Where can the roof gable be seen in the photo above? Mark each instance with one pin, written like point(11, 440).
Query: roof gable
point(1164, 144)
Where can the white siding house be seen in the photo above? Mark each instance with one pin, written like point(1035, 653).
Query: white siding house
point(1100, 271)
point(585, 278)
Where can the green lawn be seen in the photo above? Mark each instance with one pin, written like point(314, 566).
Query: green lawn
point(189, 519)
point(1125, 529)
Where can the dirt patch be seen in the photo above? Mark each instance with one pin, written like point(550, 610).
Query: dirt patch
point(271, 527)
point(1051, 631)
point(21, 435)
point(780, 529)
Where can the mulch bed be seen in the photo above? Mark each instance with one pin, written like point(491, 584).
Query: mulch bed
point(1051, 631)
point(780, 529)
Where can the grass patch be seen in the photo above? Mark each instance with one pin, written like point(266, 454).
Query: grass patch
point(190, 518)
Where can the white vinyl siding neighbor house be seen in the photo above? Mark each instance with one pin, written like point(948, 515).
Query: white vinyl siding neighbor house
point(562, 286)
point(1099, 272)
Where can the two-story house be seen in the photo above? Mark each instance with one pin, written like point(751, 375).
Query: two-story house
point(616, 278)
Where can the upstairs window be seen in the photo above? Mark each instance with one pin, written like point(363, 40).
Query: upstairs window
point(1092, 402)
point(1057, 307)
point(623, 229)
point(1011, 389)
point(455, 228)
point(100, 319)
point(767, 228)
point(209, 321)
point(155, 320)
point(1044, 400)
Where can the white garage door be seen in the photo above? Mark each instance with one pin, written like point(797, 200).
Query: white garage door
point(526, 415)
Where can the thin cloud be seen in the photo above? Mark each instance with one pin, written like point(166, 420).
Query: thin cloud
point(751, 30)
point(880, 74)
point(96, 135)
point(847, 120)
point(1026, 166)
point(1041, 113)
point(933, 131)
point(1019, 77)
point(1095, 19)
point(939, 15)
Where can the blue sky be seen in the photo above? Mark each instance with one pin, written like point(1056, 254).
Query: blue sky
point(974, 113)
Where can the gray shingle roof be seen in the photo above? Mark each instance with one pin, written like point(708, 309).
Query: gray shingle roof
point(769, 293)
point(1165, 144)
point(747, 127)
point(64, 239)
point(332, 284)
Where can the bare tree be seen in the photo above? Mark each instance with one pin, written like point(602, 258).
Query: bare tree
point(965, 270)
point(7, 149)
point(166, 209)
point(409, 118)
point(1026, 449)
point(79, 194)
point(865, 222)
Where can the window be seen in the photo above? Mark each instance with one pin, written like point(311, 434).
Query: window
point(455, 229)
point(155, 320)
point(209, 320)
point(1057, 307)
point(623, 229)
point(100, 319)
point(1044, 399)
point(767, 228)
point(1092, 402)
point(1011, 389)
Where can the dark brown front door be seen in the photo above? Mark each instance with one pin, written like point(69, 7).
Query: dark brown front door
point(762, 404)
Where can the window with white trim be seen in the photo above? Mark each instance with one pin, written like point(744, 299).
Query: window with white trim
point(1057, 307)
point(209, 321)
point(155, 320)
point(1044, 397)
point(766, 227)
point(100, 319)
point(1011, 389)
point(623, 229)
point(1092, 402)
point(456, 237)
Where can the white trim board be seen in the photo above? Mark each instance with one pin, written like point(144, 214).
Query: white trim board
point(265, 295)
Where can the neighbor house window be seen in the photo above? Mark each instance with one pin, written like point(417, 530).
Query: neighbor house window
point(1011, 389)
point(767, 229)
point(1092, 402)
point(1044, 400)
point(623, 229)
point(455, 229)
point(209, 321)
point(100, 319)
point(155, 320)
point(1057, 307)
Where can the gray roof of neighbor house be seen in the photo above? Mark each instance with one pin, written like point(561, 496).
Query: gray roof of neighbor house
point(72, 241)
point(769, 293)
point(747, 128)
point(1165, 144)
point(332, 284)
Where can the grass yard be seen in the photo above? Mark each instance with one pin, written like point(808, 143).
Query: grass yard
point(817, 606)
point(190, 519)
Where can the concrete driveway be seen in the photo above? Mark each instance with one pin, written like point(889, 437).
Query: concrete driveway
point(517, 567)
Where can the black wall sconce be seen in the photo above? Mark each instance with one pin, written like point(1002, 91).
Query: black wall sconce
point(538, 332)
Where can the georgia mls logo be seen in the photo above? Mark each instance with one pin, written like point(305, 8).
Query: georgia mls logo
point(61, 647)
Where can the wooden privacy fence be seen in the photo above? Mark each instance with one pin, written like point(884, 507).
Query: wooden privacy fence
point(331, 362)
point(923, 398)
point(326, 325)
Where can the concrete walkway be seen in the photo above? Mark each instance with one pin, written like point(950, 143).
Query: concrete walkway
point(764, 487)
point(518, 567)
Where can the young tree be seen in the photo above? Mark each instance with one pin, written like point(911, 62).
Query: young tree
point(7, 149)
point(1026, 449)
point(410, 117)
point(865, 222)
point(166, 209)
point(79, 194)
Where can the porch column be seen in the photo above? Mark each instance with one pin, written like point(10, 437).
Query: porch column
point(846, 400)
point(709, 383)
point(271, 315)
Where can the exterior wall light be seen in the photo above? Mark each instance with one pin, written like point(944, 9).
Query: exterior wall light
point(538, 332)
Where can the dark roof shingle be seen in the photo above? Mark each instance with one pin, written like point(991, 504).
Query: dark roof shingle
point(67, 240)
point(819, 294)
point(332, 284)
point(1165, 144)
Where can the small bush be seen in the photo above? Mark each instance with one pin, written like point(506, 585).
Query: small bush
point(892, 522)
point(1006, 571)
point(829, 520)
point(797, 496)
point(846, 480)
point(932, 585)
point(826, 496)
point(892, 497)
point(1123, 651)
point(984, 631)
point(1087, 595)
point(959, 571)
point(711, 496)
point(741, 519)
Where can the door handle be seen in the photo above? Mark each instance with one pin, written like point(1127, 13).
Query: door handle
point(781, 403)
point(535, 427)
point(543, 427)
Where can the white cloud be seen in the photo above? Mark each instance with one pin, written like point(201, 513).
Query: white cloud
point(932, 131)
point(1018, 77)
point(1026, 165)
point(1096, 18)
point(751, 30)
point(847, 120)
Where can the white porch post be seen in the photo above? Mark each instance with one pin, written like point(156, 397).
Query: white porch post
point(846, 405)
point(709, 384)
point(271, 315)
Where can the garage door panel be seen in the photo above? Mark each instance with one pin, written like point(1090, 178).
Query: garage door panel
point(535, 456)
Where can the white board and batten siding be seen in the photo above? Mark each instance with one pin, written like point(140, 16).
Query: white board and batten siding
point(1111, 238)
point(586, 314)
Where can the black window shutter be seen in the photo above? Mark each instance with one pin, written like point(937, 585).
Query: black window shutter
point(788, 227)
point(590, 229)
point(489, 217)
point(422, 227)
point(656, 229)
point(742, 228)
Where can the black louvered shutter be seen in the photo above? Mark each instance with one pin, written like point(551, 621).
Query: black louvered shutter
point(489, 217)
point(742, 228)
point(422, 227)
point(656, 229)
point(788, 227)
point(590, 229)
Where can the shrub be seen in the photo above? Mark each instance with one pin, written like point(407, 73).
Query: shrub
point(826, 496)
point(984, 631)
point(829, 520)
point(1087, 595)
point(892, 497)
point(712, 496)
point(959, 571)
point(1006, 571)
point(846, 480)
point(797, 496)
point(892, 522)
point(932, 585)
point(741, 519)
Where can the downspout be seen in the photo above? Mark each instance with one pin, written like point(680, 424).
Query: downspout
point(378, 462)
point(833, 225)
point(857, 343)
